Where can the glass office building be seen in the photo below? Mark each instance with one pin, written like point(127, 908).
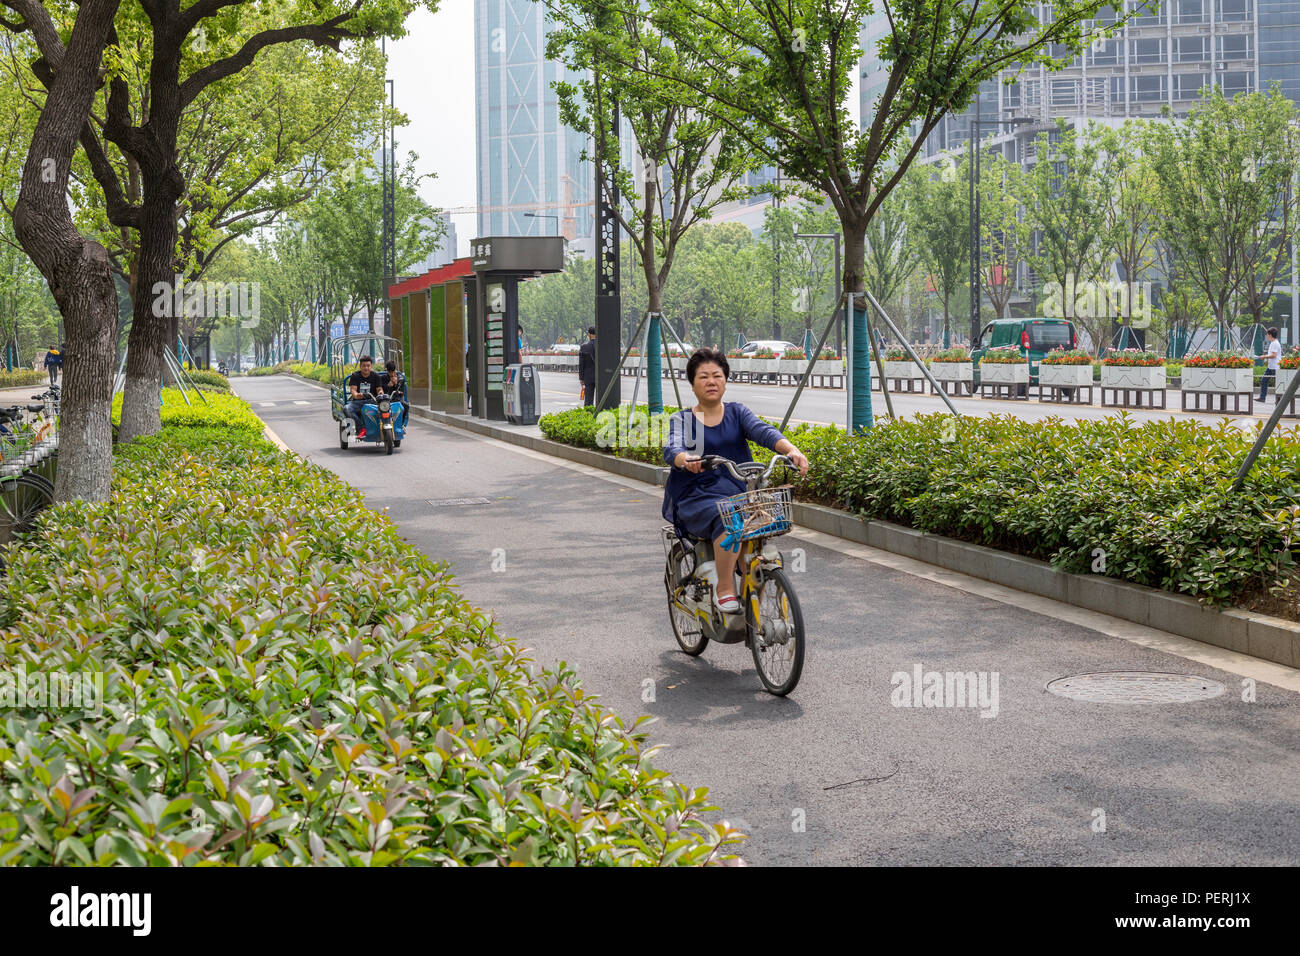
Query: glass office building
point(1161, 57)
point(528, 161)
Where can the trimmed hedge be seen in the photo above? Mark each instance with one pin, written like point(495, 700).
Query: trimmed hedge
point(625, 434)
point(1149, 499)
point(272, 699)
point(22, 377)
point(204, 376)
point(221, 409)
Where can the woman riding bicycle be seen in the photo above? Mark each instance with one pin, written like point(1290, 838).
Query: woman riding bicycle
point(713, 427)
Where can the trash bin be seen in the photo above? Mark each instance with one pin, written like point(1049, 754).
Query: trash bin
point(521, 391)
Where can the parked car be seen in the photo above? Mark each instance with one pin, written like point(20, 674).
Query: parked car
point(1035, 337)
point(777, 346)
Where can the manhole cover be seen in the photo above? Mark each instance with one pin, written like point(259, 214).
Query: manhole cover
point(451, 502)
point(1136, 687)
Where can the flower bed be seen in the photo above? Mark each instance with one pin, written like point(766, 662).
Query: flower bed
point(1068, 357)
point(957, 355)
point(270, 698)
point(1132, 358)
point(1214, 359)
point(1003, 355)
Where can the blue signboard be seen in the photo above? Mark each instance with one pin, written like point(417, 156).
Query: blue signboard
point(356, 327)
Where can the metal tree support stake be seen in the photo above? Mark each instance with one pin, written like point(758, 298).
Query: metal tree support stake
point(1283, 401)
point(915, 358)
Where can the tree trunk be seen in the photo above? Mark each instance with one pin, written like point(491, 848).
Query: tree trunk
point(152, 315)
point(77, 269)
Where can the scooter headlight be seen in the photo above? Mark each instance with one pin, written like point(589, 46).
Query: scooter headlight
point(383, 406)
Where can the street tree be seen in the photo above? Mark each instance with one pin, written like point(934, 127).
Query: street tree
point(1003, 236)
point(1223, 177)
point(684, 162)
point(68, 65)
point(1065, 202)
point(939, 225)
point(781, 74)
point(1130, 208)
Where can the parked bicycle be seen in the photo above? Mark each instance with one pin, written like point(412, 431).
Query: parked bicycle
point(770, 621)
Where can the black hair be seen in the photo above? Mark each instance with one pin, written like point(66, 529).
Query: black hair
point(366, 358)
point(707, 355)
point(390, 366)
point(1275, 333)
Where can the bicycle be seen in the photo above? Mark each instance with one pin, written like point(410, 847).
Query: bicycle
point(770, 622)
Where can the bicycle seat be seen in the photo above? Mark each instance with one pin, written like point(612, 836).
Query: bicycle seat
point(36, 408)
point(10, 412)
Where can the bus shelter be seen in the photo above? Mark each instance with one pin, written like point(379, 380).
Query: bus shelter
point(429, 319)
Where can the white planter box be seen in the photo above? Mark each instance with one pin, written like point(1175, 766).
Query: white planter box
point(952, 371)
point(793, 366)
point(1133, 376)
point(828, 367)
point(738, 365)
point(1284, 378)
point(1072, 376)
point(765, 366)
point(1218, 379)
point(1016, 373)
point(902, 370)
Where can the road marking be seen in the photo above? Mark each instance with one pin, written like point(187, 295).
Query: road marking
point(267, 404)
point(1278, 675)
point(302, 403)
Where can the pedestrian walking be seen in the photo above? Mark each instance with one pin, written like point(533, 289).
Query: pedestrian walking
point(587, 367)
point(53, 362)
point(1272, 355)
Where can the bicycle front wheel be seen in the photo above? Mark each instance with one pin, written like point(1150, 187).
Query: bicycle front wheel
point(777, 642)
point(22, 499)
point(690, 637)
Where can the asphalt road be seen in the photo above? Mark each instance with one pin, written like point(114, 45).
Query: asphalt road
point(836, 774)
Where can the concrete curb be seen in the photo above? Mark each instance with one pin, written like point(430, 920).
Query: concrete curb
point(1246, 632)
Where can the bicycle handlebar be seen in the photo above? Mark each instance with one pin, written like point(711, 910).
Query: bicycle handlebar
point(717, 461)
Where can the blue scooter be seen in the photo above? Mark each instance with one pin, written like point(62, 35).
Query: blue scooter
point(384, 422)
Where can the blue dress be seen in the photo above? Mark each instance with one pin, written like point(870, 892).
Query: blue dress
point(690, 500)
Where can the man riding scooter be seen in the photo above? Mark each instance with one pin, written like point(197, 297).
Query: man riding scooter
point(363, 388)
point(393, 387)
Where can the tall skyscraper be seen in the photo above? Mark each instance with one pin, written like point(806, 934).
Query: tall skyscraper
point(528, 161)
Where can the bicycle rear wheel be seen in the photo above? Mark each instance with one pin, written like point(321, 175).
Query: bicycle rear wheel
point(690, 637)
point(778, 642)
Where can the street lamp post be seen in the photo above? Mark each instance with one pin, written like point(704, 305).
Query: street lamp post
point(973, 165)
point(542, 215)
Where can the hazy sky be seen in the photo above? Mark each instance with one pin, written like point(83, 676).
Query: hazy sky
point(433, 72)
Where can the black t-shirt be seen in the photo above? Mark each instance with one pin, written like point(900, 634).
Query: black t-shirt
point(393, 390)
point(368, 384)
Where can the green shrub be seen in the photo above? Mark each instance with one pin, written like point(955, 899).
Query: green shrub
point(203, 376)
point(219, 409)
point(270, 699)
point(22, 377)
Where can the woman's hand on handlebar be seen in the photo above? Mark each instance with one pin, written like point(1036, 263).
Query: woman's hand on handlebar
point(799, 459)
point(693, 465)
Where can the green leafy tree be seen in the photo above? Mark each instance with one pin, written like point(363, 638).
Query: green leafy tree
point(1065, 206)
point(684, 161)
point(1223, 177)
point(780, 76)
point(1003, 236)
point(939, 223)
point(1130, 207)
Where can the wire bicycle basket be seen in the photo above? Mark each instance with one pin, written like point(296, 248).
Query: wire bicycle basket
point(757, 514)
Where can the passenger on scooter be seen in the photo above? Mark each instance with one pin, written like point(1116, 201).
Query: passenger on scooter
point(393, 387)
point(713, 427)
point(363, 388)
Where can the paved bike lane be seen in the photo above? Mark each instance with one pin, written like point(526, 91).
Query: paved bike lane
point(569, 561)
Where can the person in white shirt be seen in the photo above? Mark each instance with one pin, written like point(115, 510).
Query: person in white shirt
point(1273, 353)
